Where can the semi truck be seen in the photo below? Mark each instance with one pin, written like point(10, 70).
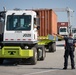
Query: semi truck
point(62, 29)
point(26, 34)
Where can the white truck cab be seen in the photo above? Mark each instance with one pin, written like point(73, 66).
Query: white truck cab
point(19, 35)
point(63, 31)
point(19, 27)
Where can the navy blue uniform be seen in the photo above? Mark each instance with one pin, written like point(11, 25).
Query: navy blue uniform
point(69, 50)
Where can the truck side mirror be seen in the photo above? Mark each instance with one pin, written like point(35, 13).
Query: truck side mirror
point(1, 19)
point(38, 27)
point(38, 23)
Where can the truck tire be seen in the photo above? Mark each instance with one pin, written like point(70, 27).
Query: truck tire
point(52, 47)
point(43, 53)
point(1, 61)
point(34, 58)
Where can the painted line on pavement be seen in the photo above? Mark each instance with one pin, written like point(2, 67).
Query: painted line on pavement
point(40, 72)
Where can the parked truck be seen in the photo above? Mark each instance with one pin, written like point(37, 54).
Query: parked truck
point(26, 34)
point(62, 29)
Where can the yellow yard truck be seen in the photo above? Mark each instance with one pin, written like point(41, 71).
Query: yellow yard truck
point(20, 38)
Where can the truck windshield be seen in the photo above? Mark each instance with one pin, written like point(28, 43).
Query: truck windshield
point(62, 29)
point(74, 31)
point(18, 22)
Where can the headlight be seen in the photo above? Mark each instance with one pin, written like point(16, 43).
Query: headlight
point(26, 47)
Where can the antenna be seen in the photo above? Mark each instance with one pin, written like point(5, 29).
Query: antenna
point(4, 8)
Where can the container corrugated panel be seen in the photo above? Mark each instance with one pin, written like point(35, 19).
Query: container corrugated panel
point(48, 21)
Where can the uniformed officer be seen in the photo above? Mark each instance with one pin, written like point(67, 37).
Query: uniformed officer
point(69, 50)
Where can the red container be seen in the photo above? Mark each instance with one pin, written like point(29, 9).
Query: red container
point(48, 21)
point(61, 24)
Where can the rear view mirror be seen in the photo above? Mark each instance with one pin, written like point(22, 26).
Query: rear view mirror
point(38, 21)
point(38, 27)
point(1, 19)
point(2, 16)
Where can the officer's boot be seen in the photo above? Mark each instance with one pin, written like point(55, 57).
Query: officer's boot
point(73, 67)
point(65, 68)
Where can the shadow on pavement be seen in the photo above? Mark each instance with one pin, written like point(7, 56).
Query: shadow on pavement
point(55, 69)
point(50, 68)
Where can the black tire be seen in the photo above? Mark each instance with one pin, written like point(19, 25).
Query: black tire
point(34, 58)
point(1, 61)
point(52, 47)
point(43, 53)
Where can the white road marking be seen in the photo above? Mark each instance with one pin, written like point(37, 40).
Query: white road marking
point(40, 72)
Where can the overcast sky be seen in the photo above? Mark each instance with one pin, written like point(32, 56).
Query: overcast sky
point(28, 4)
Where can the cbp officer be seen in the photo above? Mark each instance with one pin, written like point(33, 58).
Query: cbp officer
point(69, 50)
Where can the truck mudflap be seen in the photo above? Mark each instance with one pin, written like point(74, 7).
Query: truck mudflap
point(15, 52)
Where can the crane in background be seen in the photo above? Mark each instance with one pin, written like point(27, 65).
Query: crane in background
point(69, 11)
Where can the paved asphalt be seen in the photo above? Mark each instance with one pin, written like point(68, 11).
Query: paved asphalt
point(52, 65)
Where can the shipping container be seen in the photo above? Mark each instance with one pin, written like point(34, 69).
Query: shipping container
point(48, 21)
point(62, 24)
